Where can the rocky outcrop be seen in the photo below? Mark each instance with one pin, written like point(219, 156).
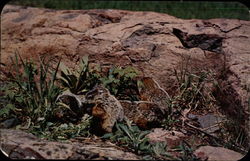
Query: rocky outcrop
point(154, 43)
point(21, 145)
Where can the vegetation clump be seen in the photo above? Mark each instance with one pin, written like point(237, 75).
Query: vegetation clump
point(30, 96)
point(34, 92)
point(135, 140)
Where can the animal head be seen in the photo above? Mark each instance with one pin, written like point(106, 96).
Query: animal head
point(98, 91)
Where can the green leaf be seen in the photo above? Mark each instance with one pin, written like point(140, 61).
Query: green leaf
point(6, 110)
point(10, 94)
point(19, 99)
point(107, 136)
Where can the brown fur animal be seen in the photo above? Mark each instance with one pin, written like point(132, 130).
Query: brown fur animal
point(106, 107)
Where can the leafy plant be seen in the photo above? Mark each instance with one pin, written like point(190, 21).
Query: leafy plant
point(121, 82)
point(80, 81)
point(58, 131)
point(6, 111)
point(186, 152)
point(131, 137)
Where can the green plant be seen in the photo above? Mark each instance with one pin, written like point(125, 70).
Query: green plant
point(121, 82)
point(186, 152)
point(58, 131)
point(32, 92)
point(193, 91)
point(135, 140)
point(81, 80)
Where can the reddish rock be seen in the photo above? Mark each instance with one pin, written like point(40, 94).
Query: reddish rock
point(172, 138)
point(21, 145)
point(217, 153)
point(154, 43)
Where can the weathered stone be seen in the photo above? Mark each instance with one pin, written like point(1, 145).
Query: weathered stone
point(217, 153)
point(9, 123)
point(116, 37)
point(76, 107)
point(172, 138)
point(203, 41)
point(143, 113)
point(20, 145)
point(209, 122)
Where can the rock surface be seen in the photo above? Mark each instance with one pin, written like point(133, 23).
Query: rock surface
point(217, 153)
point(20, 145)
point(154, 43)
point(209, 123)
point(172, 138)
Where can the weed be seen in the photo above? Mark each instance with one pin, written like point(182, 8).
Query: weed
point(82, 80)
point(135, 140)
point(31, 92)
point(193, 90)
point(58, 131)
point(186, 152)
point(121, 83)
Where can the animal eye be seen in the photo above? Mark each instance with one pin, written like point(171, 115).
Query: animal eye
point(89, 96)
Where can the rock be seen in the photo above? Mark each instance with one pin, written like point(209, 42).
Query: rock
point(208, 42)
point(217, 153)
point(144, 114)
point(19, 145)
point(172, 138)
point(209, 122)
point(9, 123)
point(106, 108)
point(154, 43)
point(192, 116)
point(76, 107)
